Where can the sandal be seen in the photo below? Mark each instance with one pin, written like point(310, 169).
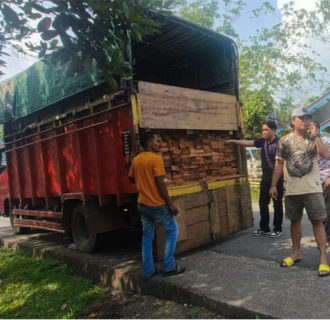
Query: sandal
point(176, 270)
point(322, 268)
point(288, 262)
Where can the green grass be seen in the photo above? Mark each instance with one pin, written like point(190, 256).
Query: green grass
point(255, 194)
point(41, 288)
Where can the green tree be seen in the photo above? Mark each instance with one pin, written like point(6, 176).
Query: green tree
point(258, 104)
point(202, 12)
point(276, 62)
point(79, 30)
point(213, 14)
point(279, 57)
point(276, 59)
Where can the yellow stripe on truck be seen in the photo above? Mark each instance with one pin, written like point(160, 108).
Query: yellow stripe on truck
point(182, 190)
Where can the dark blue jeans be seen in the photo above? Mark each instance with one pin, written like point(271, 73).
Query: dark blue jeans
point(264, 200)
point(162, 216)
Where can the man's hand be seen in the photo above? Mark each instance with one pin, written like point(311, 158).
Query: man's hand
point(273, 192)
point(229, 141)
point(173, 208)
point(245, 143)
point(162, 189)
point(313, 130)
point(327, 182)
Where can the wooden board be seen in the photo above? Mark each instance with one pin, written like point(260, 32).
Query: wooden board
point(246, 206)
point(209, 215)
point(195, 200)
point(168, 107)
point(200, 234)
point(233, 204)
point(196, 215)
point(181, 220)
point(220, 227)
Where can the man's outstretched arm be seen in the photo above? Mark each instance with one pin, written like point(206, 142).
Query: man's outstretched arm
point(245, 143)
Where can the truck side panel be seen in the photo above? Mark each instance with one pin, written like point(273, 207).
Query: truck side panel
point(85, 156)
point(37, 168)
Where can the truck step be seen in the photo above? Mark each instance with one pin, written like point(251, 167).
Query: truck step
point(34, 219)
point(44, 225)
point(38, 213)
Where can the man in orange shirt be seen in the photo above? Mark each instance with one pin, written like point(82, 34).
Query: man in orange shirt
point(154, 205)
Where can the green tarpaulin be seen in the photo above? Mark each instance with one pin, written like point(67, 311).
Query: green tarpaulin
point(42, 85)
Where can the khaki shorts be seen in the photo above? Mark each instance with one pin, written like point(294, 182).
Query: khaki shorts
point(312, 202)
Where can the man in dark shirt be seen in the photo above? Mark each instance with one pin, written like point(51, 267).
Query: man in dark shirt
point(268, 145)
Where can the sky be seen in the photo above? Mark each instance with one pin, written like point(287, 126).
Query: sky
point(245, 27)
point(322, 48)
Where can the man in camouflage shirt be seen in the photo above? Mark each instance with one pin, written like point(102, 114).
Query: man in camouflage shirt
point(324, 166)
point(298, 152)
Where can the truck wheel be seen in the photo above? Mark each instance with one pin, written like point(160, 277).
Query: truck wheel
point(6, 207)
point(84, 241)
point(17, 230)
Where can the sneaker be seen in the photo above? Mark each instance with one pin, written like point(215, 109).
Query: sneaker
point(276, 234)
point(260, 232)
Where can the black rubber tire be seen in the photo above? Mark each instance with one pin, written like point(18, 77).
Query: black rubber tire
point(17, 230)
point(84, 241)
point(6, 207)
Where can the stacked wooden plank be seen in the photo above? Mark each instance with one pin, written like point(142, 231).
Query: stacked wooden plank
point(196, 156)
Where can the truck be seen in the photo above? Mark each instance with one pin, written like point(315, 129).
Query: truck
point(70, 140)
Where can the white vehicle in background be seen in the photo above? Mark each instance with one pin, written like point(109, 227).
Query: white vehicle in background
point(253, 157)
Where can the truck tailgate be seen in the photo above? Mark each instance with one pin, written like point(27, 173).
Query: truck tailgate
point(169, 107)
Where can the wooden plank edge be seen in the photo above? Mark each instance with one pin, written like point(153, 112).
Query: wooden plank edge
point(195, 188)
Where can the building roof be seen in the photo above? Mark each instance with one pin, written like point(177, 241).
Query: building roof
point(320, 111)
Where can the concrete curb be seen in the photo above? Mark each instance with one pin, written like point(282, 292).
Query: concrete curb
point(120, 274)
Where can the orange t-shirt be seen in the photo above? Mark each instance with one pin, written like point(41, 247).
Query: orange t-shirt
point(145, 167)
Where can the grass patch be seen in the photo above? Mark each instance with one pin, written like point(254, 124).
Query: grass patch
point(255, 191)
point(41, 288)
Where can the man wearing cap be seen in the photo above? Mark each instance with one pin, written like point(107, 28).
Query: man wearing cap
point(268, 145)
point(298, 152)
point(324, 166)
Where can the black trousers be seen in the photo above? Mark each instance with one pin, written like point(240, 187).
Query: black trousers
point(264, 200)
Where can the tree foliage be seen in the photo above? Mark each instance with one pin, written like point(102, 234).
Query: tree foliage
point(275, 63)
point(213, 14)
point(258, 104)
point(80, 29)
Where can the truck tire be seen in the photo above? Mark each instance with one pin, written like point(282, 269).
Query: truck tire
point(17, 230)
point(84, 241)
point(6, 207)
